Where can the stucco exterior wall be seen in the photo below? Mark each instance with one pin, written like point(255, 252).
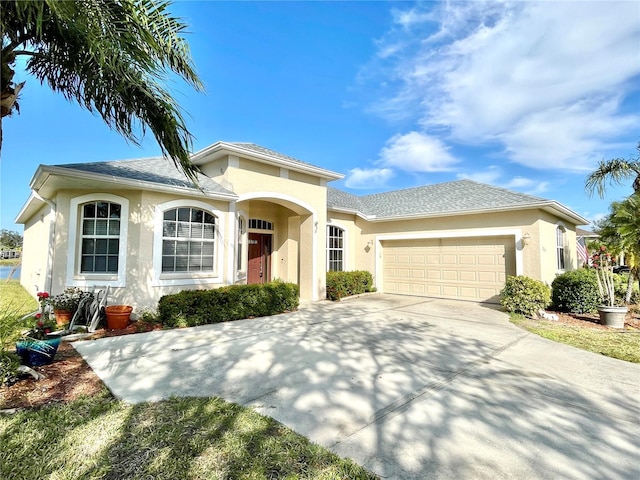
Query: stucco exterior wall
point(33, 273)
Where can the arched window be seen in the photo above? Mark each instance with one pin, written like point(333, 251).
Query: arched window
point(188, 237)
point(335, 248)
point(560, 243)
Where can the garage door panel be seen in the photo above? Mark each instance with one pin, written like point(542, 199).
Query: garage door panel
point(473, 268)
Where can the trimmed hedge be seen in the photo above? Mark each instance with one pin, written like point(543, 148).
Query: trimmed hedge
point(201, 307)
point(344, 284)
point(524, 295)
point(576, 291)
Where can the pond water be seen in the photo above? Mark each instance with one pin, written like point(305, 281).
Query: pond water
point(5, 271)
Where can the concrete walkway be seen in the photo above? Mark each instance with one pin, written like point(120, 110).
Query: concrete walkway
point(407, 387)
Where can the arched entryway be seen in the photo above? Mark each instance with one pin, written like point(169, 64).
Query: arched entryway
point(281, 241)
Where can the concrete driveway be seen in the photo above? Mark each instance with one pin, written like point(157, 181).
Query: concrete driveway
point(407, 387)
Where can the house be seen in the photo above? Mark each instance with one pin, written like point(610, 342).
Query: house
point(142, 228)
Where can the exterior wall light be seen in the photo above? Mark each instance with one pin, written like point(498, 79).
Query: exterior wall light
point(525, 239)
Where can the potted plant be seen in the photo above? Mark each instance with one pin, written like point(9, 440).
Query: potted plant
point(118, 316)
point(611, 314)
point(37, 348)
point(66, 303)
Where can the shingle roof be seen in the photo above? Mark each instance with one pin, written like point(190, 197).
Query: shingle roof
point(459, 196)
point(266, 151)
point(157, 170)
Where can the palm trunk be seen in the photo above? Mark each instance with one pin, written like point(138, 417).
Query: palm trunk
point(627, 296)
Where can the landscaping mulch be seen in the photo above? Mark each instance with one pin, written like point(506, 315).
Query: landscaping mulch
point(66, 379)
point(70, 377)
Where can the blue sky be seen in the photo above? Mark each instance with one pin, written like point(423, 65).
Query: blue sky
point(527, 96)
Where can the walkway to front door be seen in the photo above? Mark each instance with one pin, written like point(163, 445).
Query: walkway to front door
point(259, 258)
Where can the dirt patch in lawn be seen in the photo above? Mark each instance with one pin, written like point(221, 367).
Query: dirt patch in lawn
point(592, 320)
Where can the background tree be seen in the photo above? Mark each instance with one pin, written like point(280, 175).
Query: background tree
point(10, 240)
point(616, 170)
point(111, 57)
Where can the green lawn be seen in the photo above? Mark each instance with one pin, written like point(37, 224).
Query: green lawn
point(624, 345)
point(15, 298)
point(185, 438)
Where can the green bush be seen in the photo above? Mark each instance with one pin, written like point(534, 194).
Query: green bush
point(9, 363)
point(524, 295)
point(344, 284)
point(201, 307)
point(576, 291)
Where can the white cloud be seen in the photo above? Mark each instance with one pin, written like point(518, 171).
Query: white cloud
point(368, 178)
point(490, 175)
point(417, 152)
point(493, 175)
point(546, 80)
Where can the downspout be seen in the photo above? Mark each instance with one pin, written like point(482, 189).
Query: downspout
point(48, 280)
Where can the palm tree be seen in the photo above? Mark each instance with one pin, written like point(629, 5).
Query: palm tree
point(111, 57)
point(617, 170)
point(620, 230)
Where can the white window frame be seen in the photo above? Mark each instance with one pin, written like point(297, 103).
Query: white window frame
point(241, 245)
point(561, 247)
point(160, 278)
point(74, 277)
point(344, 245)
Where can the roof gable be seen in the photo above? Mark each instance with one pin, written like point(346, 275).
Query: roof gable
point(451, 198)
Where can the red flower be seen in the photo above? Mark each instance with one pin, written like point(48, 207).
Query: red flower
point(43, 295)
point(602, 248)
point(47, 330)
point(38, 315)
point(40, 324)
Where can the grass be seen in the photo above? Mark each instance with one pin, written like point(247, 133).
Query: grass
point(187, 438)
point(15, 298)
point(623, 345)
point(4, 262)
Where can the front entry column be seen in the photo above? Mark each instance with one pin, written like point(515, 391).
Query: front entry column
point(307, 273)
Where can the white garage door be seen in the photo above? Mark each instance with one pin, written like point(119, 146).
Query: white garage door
point(459, 268)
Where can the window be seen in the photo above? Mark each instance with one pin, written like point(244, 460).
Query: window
point(258, 224)
point(188, 236)
point(240, 243)
point(335, 248)
point(560, 233)
point(100, 237)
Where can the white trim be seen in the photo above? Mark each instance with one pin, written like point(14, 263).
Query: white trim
point(241, 273)
point(479, 232)
point(73, 253)
point(231, 248)
point(159, 279)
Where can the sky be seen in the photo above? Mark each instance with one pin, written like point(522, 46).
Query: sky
point(527, 96)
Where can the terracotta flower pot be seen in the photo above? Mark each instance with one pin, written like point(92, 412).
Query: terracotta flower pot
point(63, 317)
point(118, 316)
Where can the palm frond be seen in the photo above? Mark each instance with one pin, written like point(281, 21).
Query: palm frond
point(113, 58)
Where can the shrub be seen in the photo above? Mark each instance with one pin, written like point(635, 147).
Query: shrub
point(576, 291)
point(200, 307)
point(344, 284)
point(524, 295)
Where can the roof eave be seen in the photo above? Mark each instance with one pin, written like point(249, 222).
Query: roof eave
point(220, 148)
point(552, 206)
point(141, 184)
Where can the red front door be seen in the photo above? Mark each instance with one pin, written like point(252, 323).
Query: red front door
point(259, 258)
